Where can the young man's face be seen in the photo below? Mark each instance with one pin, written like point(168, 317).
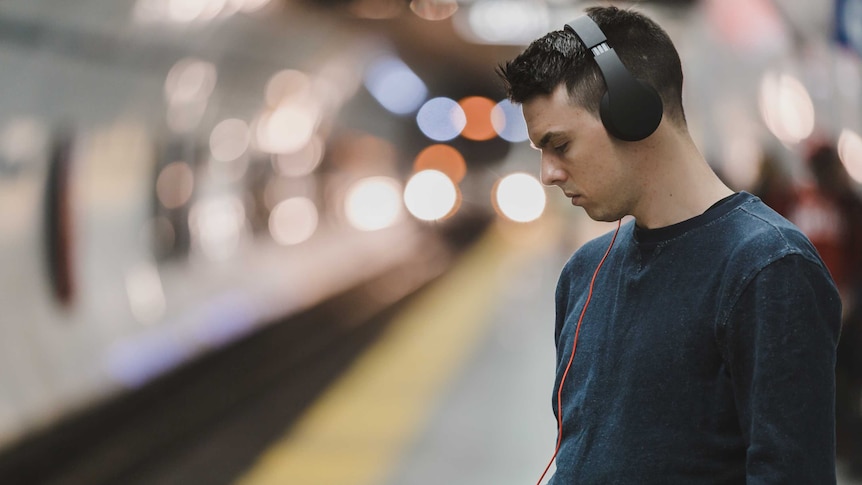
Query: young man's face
point(579, 156)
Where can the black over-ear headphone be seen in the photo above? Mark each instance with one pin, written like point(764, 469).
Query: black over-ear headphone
point(630, 109)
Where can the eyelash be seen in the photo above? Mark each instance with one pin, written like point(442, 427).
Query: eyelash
point(561, 148)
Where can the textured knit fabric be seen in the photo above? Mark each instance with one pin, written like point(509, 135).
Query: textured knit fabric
point(706, 355)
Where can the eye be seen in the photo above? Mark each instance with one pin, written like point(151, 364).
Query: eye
point(561, 148)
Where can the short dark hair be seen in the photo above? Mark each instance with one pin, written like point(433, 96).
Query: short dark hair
point(559, 57)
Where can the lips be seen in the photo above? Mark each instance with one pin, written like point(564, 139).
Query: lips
point(573, 196)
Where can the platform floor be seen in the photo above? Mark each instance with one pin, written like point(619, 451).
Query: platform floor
point(456, 392)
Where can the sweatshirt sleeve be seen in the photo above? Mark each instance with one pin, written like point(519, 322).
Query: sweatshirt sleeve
point(561, 300)
point(781, 340)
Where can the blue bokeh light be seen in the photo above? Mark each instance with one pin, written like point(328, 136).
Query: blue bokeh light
point(441, 119)
point(508, 121)
point(395, 86)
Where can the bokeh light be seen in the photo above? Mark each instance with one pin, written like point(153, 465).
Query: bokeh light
point(504, 22)
point(251, 5)
point(508, 121)
point(373, 203)
point(293, 221)
point(434, 9)
point(190, 11)
point(786, 107)
point(850, 151)
point(430, 195)
point(302, 162)
point(441, 119)
point(442, 158)
point(175, 184)
point(217, 225)
point(477, 113)
point(286, 84)
point(289, 128)
point(395, 86)
point(520, 197)
point(146, 295)
point(190, 80)
point(337, 80)
point(229, 140)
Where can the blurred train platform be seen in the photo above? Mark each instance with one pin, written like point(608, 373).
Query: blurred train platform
point(456, 392)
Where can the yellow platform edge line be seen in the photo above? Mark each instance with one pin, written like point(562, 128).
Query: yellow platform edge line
point(356, 431)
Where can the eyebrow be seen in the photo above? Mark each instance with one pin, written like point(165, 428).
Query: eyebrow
point(546, 139)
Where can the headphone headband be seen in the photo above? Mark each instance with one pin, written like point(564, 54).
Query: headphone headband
point(587, 31)
point(631, 110)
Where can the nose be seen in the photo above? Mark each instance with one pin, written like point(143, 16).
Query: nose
point(552, 172)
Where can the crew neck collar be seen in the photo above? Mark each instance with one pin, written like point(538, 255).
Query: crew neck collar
point(645, 236)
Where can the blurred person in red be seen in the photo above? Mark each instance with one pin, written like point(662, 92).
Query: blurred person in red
point(829, 212)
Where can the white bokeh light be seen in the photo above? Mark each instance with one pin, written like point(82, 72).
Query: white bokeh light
point(850, 152)
point(293, 221)
point(373, 203)
point(786, 107)
point(505, 22)
point(520, 197)
point(183, 11)
point(288, 128)
point(217, 225)
point(190, 80)
point(251, 5)
point(146, 294)
point(286, 84)
point(430, 195)
point(229, 140)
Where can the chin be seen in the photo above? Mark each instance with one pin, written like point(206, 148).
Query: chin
point(604, 216)
point(600, 216)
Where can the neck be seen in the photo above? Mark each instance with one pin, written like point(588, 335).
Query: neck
point(678, 183)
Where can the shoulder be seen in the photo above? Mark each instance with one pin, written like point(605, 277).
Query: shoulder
point(755, 234)
point(757, 242)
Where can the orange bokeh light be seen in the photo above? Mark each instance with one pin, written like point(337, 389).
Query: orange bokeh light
point(477, 109)
point(443, 158)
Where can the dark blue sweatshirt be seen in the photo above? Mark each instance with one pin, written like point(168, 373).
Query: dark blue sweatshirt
point(706, 355)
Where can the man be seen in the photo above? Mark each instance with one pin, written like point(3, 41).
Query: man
point(704, 350)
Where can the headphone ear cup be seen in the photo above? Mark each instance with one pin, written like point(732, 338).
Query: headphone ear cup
point(632, 113)
point(607, 116)
point(630, 109)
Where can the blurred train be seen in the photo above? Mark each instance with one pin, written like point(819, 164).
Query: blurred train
point(175, 175)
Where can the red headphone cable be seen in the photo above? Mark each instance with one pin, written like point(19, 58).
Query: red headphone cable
point(572, 356)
